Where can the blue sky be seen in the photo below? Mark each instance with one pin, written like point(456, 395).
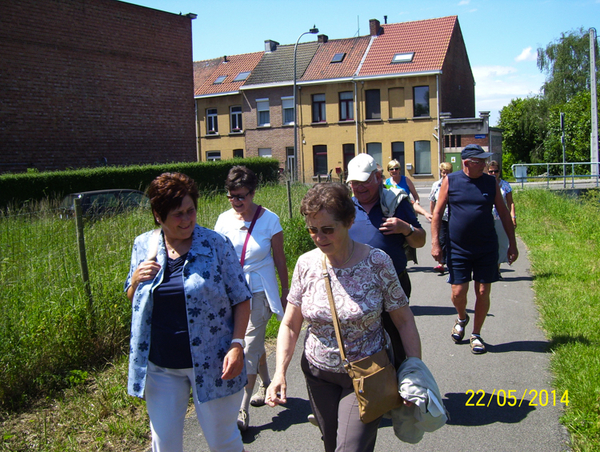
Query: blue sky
point(501, 36)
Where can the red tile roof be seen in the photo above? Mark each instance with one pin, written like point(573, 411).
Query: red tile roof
point(321, 67)
point(206, 72)
point(428, 39)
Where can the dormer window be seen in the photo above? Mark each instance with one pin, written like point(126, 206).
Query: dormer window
point(403, 57)
point(241, 76)
point(338, 58)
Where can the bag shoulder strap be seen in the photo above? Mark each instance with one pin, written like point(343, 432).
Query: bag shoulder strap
point(256, 214)
point(336, 320)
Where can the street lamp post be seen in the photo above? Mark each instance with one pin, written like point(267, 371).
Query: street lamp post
point(313, 31)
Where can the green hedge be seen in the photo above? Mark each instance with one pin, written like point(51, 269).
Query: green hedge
point(16, 189)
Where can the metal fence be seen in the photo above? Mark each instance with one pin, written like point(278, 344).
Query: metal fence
point(570, 175)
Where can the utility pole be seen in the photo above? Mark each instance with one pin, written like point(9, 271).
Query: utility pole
point(594, 158)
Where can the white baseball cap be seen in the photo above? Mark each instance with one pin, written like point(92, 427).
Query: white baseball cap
point(361, 167)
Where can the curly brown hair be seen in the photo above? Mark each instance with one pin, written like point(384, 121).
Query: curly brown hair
point(334, 198)
point(167, 191)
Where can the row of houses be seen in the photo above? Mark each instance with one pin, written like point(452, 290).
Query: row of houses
point(406, 91)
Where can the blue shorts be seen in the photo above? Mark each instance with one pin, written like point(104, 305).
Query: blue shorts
point(482, 267)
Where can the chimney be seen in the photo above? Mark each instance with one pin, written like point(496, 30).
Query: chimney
point(375, 27)
point(385, 20)
point(323, 38)
point(270, 45)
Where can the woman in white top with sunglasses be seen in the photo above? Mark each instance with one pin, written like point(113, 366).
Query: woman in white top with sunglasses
point(257, 237)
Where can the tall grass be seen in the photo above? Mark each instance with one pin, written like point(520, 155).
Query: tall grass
point(47, 329)
point(563, 238)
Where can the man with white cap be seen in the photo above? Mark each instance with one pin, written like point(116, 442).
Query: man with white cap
point(388, 231)
point(472, 248)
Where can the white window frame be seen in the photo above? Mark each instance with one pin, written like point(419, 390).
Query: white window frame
point(213, 156)
point(212, 121)
point(422, 157)
point(287, 107)
point(262, 109)
point(238, 119)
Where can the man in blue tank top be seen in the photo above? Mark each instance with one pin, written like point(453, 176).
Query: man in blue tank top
point(472, 242)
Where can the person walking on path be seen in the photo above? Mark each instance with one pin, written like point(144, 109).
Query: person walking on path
point(472, 248)
point(388, 231)
point(257, 237)
point(404, 183)
point(493, 169)
point(364, 284)
point(445, 169)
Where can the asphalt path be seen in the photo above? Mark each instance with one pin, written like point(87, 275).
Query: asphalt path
point(473, 386)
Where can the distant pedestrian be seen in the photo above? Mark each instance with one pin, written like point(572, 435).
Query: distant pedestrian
point(190, 310)
point(364, 285)
point(445, 169)
point(473, 245)
point(398, 180)
point(506, 190)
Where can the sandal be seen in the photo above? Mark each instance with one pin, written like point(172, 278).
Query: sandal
point(459, 333)
point(477, 345)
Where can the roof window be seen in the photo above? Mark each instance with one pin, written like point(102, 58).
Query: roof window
point(241, 76)
point(338, 58)
point(403, 57)
point(220, 79)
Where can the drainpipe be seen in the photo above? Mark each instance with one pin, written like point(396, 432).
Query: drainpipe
point(355, 113)
point(439, 124)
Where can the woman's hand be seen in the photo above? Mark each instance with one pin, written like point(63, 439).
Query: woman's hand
point(146, 271)
point(233, 363)
point(276, 392)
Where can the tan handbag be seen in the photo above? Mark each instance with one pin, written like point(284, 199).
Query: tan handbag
point(374, 377)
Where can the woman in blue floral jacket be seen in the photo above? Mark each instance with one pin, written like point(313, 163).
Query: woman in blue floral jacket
point(191, 306)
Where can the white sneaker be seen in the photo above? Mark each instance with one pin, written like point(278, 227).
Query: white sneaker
point(258, 399)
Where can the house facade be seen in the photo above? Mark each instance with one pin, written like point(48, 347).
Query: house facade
point(383, 94)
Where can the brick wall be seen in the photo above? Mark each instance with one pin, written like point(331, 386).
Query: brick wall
point(84, 81)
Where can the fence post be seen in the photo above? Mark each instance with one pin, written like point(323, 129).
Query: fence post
point(289, 195)
point(85, 276)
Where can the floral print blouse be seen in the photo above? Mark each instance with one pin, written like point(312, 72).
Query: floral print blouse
point(360, 293)
point(213, 282)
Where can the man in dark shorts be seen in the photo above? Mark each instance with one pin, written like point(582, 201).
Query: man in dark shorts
point(472, 251)
point(388, 233)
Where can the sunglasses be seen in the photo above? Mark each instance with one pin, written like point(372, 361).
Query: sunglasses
point(394, 169)
point(238, 197)
point(493, 171)
point(327, 230)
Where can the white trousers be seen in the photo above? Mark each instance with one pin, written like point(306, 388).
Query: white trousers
point(167, 395)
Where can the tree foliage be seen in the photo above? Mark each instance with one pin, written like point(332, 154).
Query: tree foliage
point(566, 63)
point(532, 132)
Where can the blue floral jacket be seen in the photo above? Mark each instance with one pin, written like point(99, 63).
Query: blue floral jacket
point(213, 283)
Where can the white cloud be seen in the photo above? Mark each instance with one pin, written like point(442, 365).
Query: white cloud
point(464, 2)
point(527, 55)
point(496, 86)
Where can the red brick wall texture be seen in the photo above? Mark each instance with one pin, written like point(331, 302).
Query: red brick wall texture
point(88, 81)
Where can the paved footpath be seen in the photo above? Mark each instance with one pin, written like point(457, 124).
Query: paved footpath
point(516, 361)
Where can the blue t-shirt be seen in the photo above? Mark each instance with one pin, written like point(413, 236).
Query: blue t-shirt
point(169, 337)
point(470, 220)
point(366, 230)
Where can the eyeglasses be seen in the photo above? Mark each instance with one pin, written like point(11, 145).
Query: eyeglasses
point(477, 161)
point(238, 197)
point(394, 169)
point(327, 230)
point(493, 171)
point(356, 183)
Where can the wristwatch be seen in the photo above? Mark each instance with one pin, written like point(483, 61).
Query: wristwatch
point(412, 229)
point(242, 342)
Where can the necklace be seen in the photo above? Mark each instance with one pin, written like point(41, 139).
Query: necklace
point(347, 260)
